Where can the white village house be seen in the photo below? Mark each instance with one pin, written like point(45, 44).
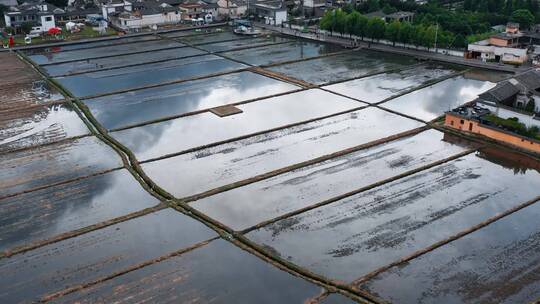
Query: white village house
point(40, 14)
point(273, 12)
point(502, 47)
point(146, 14)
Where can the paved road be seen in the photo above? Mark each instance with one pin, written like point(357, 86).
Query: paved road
point(397, 50)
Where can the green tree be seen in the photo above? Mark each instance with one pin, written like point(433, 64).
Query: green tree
point(9, 30)
point(406, 32)
point(418, 35)
point(444, 39)
point(483, 6)
point(520, 4)
point(361, 27)
point(387, 9)
point(26, 27)
point(340, 21)
point(428, 19)
point(348, 8)
point(460, 41)
point(327, 21)
point(373, 6)
point(429, 37)
point(351, 23)
point(533, 6)
point(524, 17)
point(508, 7)
point(376, 28)
point(392, 31)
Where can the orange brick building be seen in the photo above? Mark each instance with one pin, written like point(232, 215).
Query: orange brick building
point(471, 124)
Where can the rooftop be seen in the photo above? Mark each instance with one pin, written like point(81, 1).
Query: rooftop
point(275, 5)
point(501, 92)
point(506, 36)
point(525, 83)
point(400, 14)
point(471, 111)
point(396, 15)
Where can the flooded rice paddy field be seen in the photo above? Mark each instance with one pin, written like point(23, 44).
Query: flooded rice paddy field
point(38, 125)
point(342, 66)
point(320, 170)
point(280, 53)
point(70, 206)
point(428, 103)
point(500, 263)
point(201, 32)
point(22, 87)
point(366, 231)
point(89, 45)
point(108, 50)
point(90, 65)
point(380, 87)
point(25, 169)
point(127, 78)
point(158, 139)
point(140, 106)
point(231, 162)
point(207, 274)
point(89, 256)
point(243, 43)
point(247, 206)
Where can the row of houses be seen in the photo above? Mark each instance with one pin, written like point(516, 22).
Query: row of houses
point(42, 15)
point(510, 46)
point(130, 15)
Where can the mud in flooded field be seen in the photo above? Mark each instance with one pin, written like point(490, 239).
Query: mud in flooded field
point(242, 159)
point(218, 272)
point(247, 206)
point(39, 125)
point(28, 169)
point(499, 263)
point(88, 257)
point(374, 228)
point(45, 213)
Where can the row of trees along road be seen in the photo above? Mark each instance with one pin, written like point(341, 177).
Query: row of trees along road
point(460, 21)
point(375, 28)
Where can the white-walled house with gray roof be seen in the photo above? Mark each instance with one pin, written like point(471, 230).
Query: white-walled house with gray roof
point(41, 15)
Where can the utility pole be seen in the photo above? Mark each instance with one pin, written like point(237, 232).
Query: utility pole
point(436, 34)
